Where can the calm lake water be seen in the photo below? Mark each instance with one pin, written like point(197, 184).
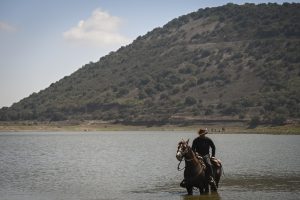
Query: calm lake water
point(141, 165)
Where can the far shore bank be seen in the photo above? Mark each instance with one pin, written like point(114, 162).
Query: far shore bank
point(216, 128)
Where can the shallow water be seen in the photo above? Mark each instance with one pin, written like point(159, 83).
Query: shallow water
point(141, 165)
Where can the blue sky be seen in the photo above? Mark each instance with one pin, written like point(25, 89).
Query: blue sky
point(41, 41)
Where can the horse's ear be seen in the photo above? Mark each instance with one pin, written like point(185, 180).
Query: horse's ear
point(188, 141)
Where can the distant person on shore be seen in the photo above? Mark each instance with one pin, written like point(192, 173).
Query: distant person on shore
point(202, 145)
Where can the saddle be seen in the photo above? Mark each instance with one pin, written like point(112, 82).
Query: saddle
point(214, 161)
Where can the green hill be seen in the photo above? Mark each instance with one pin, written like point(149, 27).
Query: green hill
point(234, 62)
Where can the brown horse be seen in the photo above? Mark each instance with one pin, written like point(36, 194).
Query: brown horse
point(195, 171)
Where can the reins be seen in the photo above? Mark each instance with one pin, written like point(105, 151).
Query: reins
point(178, 167)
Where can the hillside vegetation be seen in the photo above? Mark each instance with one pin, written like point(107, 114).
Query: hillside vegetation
point(234, 62)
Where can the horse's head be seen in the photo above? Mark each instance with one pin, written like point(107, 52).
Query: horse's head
point(182, 150)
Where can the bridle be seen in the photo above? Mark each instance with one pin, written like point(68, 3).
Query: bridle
point(180, 155)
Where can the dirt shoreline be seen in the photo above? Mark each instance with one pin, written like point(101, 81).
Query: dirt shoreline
point(85, 126)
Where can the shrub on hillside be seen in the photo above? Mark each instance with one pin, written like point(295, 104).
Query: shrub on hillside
point(254, 122)
point(189, 101)
point(279, 120)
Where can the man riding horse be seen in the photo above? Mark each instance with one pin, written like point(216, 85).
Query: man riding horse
point(201, 146)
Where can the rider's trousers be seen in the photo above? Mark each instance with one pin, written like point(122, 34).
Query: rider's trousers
point(208, 164)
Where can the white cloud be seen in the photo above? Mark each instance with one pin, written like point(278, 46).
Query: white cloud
point(6, 27)
point(100, 29)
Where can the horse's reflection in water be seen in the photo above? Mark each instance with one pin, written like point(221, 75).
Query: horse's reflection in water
point(212, 196)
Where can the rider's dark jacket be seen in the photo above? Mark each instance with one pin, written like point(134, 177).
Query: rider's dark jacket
point(202, 144)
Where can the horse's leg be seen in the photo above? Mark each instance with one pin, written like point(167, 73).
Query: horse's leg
point(206, 184)
point(213, 188)
point(206, 188)
point(189, 190)
point(201, 189)
point(202, 184)
point(218, 175)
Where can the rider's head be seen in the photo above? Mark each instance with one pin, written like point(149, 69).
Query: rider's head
point(202, 132)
